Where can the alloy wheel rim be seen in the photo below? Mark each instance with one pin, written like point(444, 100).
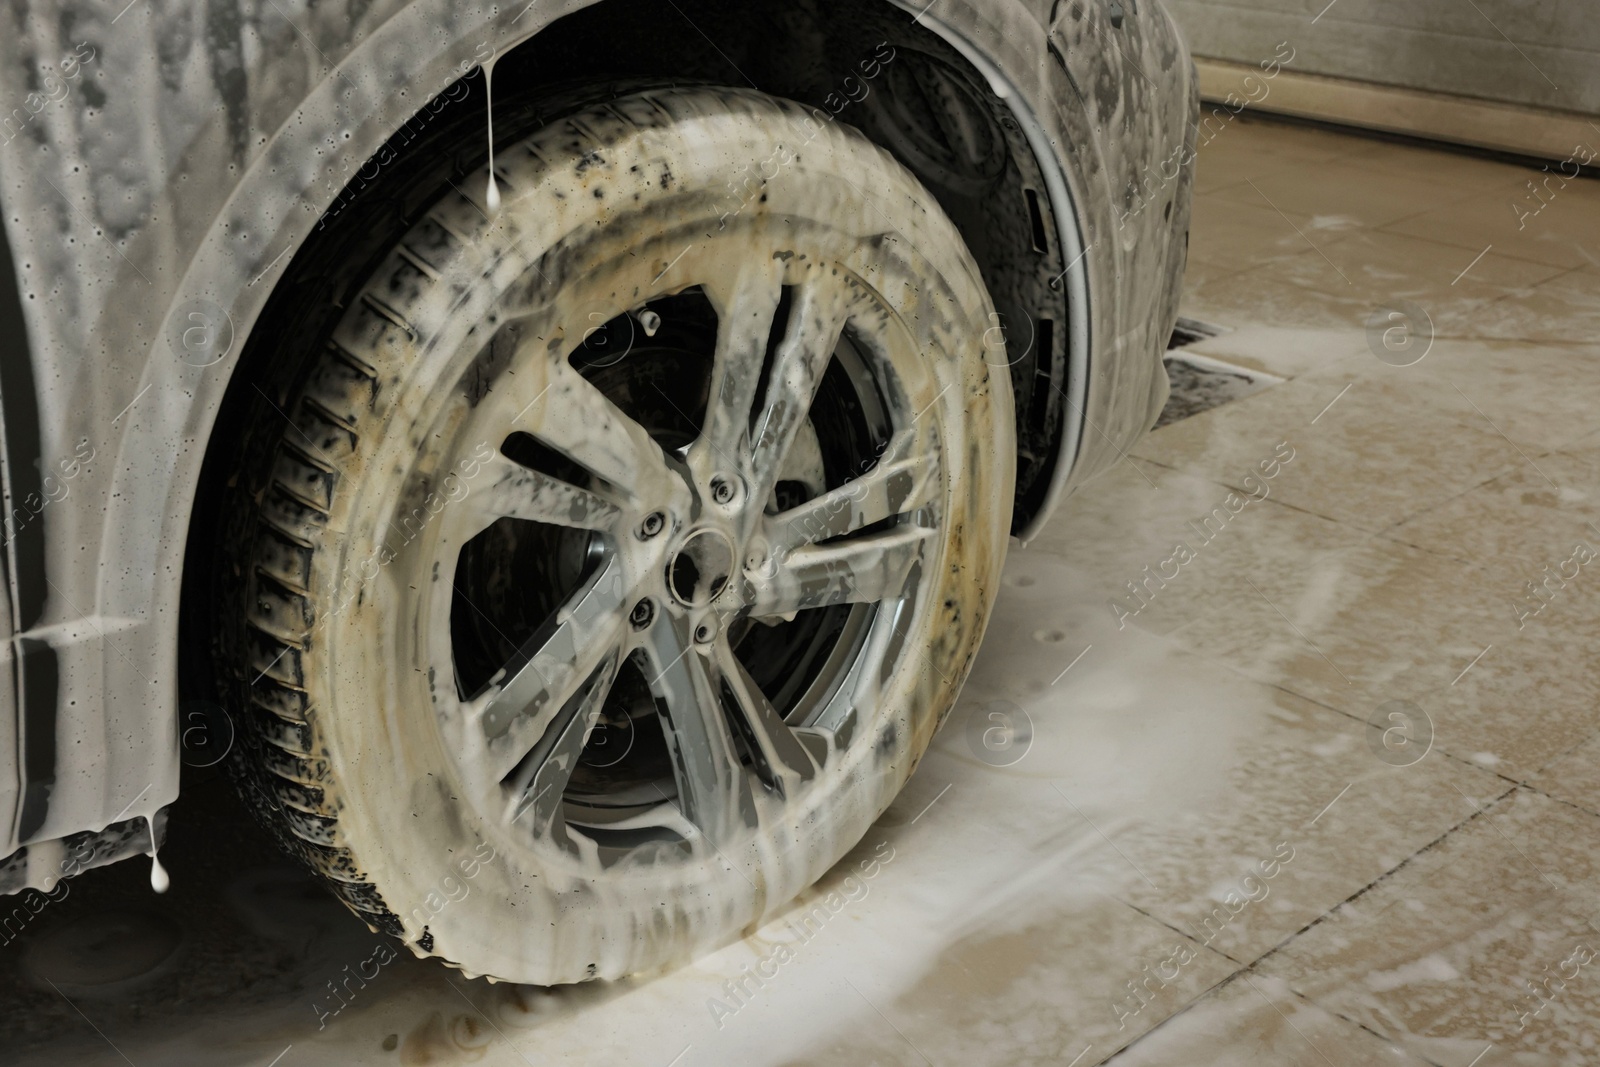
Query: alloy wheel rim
point(686, 551)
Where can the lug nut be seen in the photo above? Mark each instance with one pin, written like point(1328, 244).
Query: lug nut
point(642, 613)
point(755, 552)
point(721, 490)
point(653, 524)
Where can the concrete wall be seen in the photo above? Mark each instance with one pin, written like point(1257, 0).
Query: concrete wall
point(1540, 53)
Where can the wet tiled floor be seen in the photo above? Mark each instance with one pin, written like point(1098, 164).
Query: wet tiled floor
point(1326, 795)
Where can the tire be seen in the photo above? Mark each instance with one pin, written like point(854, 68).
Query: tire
point(553, 679)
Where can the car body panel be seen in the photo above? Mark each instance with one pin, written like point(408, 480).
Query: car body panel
point(1113, 88)
point(162, 162)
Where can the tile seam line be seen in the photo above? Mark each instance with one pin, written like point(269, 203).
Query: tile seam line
point(1461, 423)
point(1482, 811)
point(1521, 342)
point(1561, 271)
point(1388, 531)
point(1368, 226)
point(1237, 489)
point(1358, 1024)
point(1558, 800)
point(1383, 228)
point(1280, 687)
point(1242, 972)
point(1565, 752)
point(1184, 1010)
point(1437, 553)
point(1244, 967)
point(1465, 762)
point(1238, 964)
point(1513, 783)
point(1385, 531)
point(1579, 269)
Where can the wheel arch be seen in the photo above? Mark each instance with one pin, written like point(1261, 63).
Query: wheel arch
point(1010, 86)
point(1053, 422)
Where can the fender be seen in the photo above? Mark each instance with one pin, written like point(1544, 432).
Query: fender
point(1125, 262)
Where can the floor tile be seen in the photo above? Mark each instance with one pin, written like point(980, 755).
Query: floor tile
point(1177, 777)
point(1531, 696)
point(1246, 148)
point(1251, 132)
point(1343, 190)
point(1558, 235)
point(1535, 397)
point(1359, 627)
point(1439, 955)
point(1044, 992)
point(1131, 523)
point(1370, 455)
point(1224, 234)
point(1563, 309)
point(1258, 1020)
point(1287, 352)
point(1316, 814)
point(1574, 776)
point(1534, 515)
point(1261, 296)
point(1379, 268)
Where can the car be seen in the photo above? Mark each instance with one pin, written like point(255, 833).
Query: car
point(558, 458)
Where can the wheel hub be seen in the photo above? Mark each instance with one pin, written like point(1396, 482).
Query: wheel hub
point(699, 570)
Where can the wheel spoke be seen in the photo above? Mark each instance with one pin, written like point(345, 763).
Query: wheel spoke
point(547, 671)
point(898, 484)
point(816, 319)
point(860, 570)
point(537, 804)
point(511, 491)
point(745, 306)
point(713, 790)
point(781, 760)
point(576, 419)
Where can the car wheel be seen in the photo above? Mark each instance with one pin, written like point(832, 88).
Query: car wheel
point(625, 542)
